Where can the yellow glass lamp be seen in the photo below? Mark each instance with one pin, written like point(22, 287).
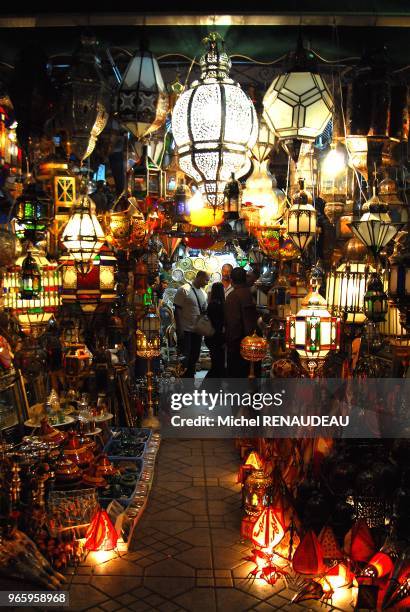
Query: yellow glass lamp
point(201, 215)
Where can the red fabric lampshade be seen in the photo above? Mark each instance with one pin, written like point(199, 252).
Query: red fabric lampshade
point(328, 542)
point(101, 534)
point(379, 565)
point(308, 557)
point(359, 544)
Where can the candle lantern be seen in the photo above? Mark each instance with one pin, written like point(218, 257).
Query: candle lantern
point(375, 300)
point(301, 219)
point(313, 332)
point(253, 349)
point(257, 492)
point(181, 198)
point(33, 213)
point(232, 198)
point(83, 235)
point(30, 278)
point(148, 346)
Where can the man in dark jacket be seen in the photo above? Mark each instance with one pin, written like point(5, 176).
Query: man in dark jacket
point(240, 321)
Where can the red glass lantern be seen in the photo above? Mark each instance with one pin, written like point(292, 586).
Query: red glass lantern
point(93, 288)
point(101, 534)
point(379, 566)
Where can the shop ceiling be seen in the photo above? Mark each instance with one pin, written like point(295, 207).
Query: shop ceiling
point(333, 29)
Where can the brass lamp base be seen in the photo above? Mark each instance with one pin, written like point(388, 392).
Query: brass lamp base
point(152, 422)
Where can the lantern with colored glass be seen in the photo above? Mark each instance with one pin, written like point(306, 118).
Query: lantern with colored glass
point(146, 177)
point(96, 287)
point(313, 332)
point(33, 213)
point(399, 279)
point(83, 235)
point(301, 219)
point(232, 198)
point(142, 102)
point(32, 291)
point(298, 104)
point(253, 349)
point(201, 215)
point(375, 228)
point(375, 300)
point(214, 124)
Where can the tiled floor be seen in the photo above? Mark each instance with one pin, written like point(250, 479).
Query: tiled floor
point(186, 553)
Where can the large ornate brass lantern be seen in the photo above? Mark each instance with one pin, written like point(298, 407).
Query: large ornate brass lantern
point(142, 102)
point(214, 124)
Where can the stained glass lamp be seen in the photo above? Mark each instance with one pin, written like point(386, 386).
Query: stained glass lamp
point(83, 235)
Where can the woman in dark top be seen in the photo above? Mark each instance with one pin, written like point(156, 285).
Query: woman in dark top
point(216, 343)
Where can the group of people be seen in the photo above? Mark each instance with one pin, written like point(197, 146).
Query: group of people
point(231, 309)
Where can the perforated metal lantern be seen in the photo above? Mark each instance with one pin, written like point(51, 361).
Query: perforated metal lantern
point(83, 110)
point(313, 331)
point(214, 124)
point(297, 107)
point(142, 99)
point(83, 235)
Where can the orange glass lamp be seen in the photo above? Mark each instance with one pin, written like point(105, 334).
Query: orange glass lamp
point(253, 349)
point(313, 332)
point(301, 219)
point(202, 214)
point(253, 462)
point(380, 565)
point(101, 534)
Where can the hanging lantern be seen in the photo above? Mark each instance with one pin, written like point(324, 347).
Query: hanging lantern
point(279, 297)
point(142, 102)
point(83, 235)
point(148, 341)
point(264, 142)
point(399, 279)
point(147, 178)
point(346, 286)
point(375, 228)
point(101, 534)
point(33, 213)
point(301, 219)
point(60, 184)
point(214, 124)
point(375, 300)
point(313, 332)
point(32, 291)
point(232, 198)
point(93, 288)
point(270, 201)
point(298, 105)
point(257, 492)
point(389, 194)
point(84, 107)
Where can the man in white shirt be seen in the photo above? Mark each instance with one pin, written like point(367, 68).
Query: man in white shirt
point(190, 301)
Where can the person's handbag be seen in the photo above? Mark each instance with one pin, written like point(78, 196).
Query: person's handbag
point(203, 325)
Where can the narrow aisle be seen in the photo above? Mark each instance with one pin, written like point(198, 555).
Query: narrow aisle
point(186, 553)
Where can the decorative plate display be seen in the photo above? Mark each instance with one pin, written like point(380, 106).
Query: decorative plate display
point(216, 277)
point(185, 264)
point(177, 275)
point(199, 263)
point(190, 275)
point(212, 263)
